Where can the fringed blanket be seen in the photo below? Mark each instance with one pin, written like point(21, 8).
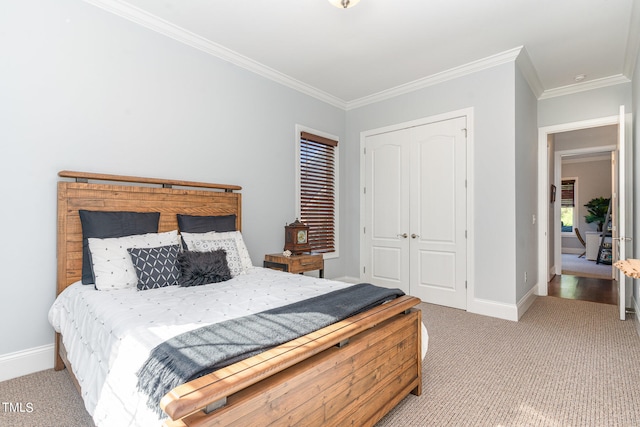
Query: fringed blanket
point(196, 353)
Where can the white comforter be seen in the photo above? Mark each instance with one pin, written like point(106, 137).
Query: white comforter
point(109, 334)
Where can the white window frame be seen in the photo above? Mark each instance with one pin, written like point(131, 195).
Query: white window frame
point(575, 205)
point(298, 130)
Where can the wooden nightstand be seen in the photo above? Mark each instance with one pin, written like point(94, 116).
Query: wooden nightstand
point(295, 263)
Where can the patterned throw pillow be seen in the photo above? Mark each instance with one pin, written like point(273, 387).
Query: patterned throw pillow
point(245, 259)
point(228, 245)
point(156, 267)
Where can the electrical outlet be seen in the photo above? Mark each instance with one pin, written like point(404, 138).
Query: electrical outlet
point(525, 277)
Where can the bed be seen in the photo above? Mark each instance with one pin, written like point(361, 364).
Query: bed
point(353, 371)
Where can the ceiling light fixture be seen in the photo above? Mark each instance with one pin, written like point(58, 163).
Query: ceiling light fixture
point(344, 4)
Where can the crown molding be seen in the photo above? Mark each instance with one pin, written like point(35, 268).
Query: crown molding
point(453, 73)
point(585, 86)
point(159, 25)
point(524, 63)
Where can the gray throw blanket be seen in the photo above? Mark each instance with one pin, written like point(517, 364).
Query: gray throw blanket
point(196, 353)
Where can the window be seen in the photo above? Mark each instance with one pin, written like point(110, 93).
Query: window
point(317, 185)
point(568, 212)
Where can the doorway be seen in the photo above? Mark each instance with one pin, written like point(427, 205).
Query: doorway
point(546, 177)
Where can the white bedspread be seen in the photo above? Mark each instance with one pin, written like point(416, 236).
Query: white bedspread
point(109, 334)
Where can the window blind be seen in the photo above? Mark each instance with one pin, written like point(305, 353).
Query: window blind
point(317, 190)
point(568, 199)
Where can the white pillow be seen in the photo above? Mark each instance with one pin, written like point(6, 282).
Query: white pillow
point(112, 263)
point(245, 259)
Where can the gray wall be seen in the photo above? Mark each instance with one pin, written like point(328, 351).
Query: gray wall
point(86, 90)
point(592, 104)
point(491, 93)
point(526, 191)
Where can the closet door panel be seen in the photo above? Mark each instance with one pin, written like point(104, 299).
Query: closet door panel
point(386, 227)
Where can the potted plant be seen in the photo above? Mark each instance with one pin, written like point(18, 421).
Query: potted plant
point(597, 208)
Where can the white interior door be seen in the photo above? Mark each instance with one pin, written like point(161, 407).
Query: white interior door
point(438, 213)
point(622, 195)
point(415, 211)
point(386, 228)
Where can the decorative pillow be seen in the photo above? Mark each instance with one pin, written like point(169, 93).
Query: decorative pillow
point(112, 263)
point(156, 267)
point(203, 224)
point(201, 268)
point(228, 245)
point(99, 224)
point(245, 258)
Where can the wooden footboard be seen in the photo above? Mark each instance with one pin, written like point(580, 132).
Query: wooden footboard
point(350, 373)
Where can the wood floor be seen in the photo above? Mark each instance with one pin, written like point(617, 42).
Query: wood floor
point(584, 288)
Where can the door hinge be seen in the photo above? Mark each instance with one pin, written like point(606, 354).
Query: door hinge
point(364, 190)
point(465, 234)
point(465, 132)
point(465, 284)
point(364, 270)
point(365, 151)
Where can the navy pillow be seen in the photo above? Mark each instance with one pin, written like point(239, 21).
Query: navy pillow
point(102, 225)
point(204, 224)
point(201, 268)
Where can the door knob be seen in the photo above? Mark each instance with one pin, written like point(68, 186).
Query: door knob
point(414, 235)
point(403, 235)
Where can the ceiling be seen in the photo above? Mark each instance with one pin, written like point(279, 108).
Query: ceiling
point(347, 55)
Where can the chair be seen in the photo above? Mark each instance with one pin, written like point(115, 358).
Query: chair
point(581, 241)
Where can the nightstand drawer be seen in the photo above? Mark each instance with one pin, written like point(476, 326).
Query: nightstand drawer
point(306, 263)
point(295, 263)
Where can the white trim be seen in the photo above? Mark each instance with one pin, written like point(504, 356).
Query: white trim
point(636, 319)
point(13, 365)
point(469, 114)
point(336, 210)
point(529, 72)
point(526, 302)
point(453, 73)
point(496, 309)
point(543, 190)
point(584, 86)
point(159, 25)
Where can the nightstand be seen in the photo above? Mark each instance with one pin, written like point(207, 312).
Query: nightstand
point(295, 263)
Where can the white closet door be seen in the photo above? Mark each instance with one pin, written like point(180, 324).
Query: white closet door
point(415, 211)
point(438, 213)
point(386, 228)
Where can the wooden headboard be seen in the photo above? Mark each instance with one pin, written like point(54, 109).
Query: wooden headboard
point(169, 197)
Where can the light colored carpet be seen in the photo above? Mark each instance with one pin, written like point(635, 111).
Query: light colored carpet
point(575, 266)
point(565, 363)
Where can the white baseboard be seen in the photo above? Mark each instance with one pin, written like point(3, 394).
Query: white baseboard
point(524, 304)
point(636, 317)
point(494, 309)
point(13, 365)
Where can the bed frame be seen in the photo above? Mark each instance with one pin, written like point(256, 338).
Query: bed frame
point(352, 372)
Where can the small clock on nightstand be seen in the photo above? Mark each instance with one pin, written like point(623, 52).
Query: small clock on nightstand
point(296, 238)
